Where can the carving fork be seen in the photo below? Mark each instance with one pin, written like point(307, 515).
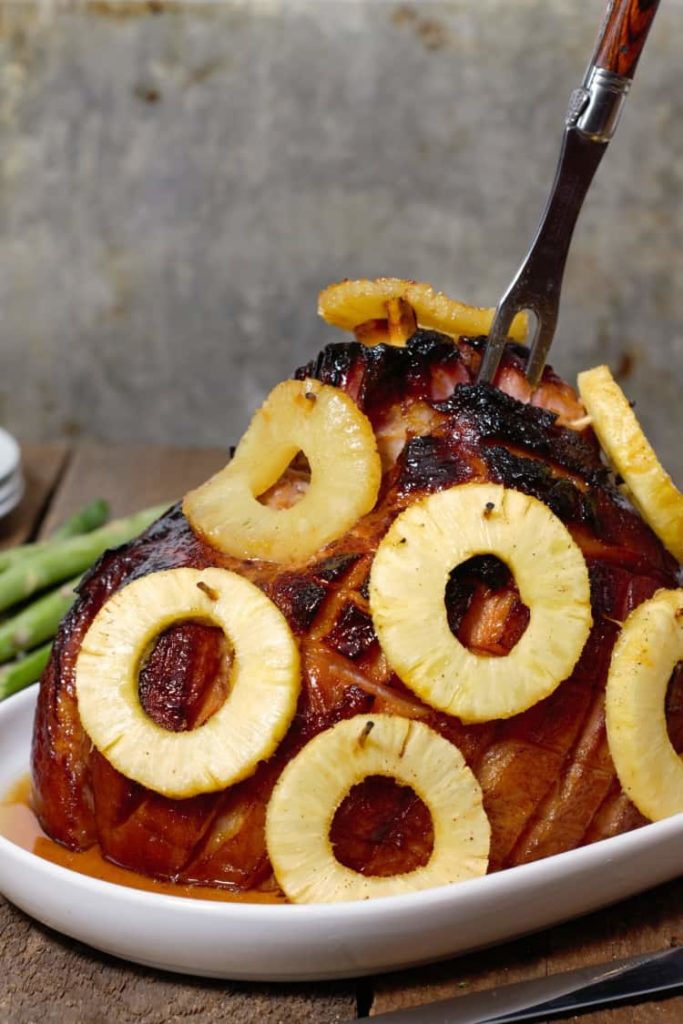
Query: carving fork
point(590, 122)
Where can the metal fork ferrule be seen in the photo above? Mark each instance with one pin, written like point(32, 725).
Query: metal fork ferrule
point(595, 108)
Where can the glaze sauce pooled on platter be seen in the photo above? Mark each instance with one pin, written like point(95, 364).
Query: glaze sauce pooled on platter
point(19, 824)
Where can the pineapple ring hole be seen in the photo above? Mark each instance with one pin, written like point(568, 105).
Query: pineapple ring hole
point(338, 440)
point(382, 828)
point(408, 582)
point(484, 608)
point(290, 487)
point(184, 675)
point(315, 783)
point(247, 728)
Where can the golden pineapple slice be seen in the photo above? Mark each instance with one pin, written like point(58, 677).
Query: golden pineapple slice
point(354, 304)
point(652, 490)
point(264, 681)
point(408, 584)
point(316, 781)
point(339, 443)
point(646, 652)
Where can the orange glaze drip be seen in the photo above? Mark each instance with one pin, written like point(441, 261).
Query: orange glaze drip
point(19, 824)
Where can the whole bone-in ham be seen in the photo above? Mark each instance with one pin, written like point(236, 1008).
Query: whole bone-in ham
point(548, 781)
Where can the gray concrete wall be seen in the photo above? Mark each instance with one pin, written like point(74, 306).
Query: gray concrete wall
point(177, 182)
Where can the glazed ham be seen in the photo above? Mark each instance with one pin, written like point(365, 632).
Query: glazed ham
point(546, 774)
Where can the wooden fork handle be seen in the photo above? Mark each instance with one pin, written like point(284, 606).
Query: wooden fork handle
point(622, 35)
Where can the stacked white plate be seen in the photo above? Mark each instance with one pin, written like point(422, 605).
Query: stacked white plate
point(11, 476)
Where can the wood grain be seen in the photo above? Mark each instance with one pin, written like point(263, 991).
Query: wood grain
point(653, 920)
point(53, 980)
point(130, 477)
point(622, 35)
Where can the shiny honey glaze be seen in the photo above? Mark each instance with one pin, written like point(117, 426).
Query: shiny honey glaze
point(19, 824)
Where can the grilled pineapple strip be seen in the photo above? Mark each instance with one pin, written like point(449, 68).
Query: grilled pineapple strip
point(264, 682)
point(408, 583)
point(648, 649)
point(316, 781)
point(652, 490)
point(352, 304)
point(338, 440)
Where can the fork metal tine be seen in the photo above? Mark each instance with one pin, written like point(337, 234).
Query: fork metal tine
point(540, 346)
point(496, 341)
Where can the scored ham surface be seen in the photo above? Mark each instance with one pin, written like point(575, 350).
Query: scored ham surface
point(547, 777)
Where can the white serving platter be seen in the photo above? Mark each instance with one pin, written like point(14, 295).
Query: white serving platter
point(10, 456)
point(11, 477)
point(258, 942)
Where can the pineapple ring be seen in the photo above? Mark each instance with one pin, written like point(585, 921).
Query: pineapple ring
point(652, 490)
point(349, 304)
point(265, 681)
point(408, 583)
point(346, 472)
point(647, 651)
point(316, 781)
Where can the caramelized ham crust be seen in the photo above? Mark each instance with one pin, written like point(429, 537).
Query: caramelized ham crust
point(547, 777)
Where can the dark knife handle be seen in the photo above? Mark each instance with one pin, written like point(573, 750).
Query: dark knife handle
point(622, 35)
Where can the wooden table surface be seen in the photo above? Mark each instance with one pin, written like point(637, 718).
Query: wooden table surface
point(53, 980)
